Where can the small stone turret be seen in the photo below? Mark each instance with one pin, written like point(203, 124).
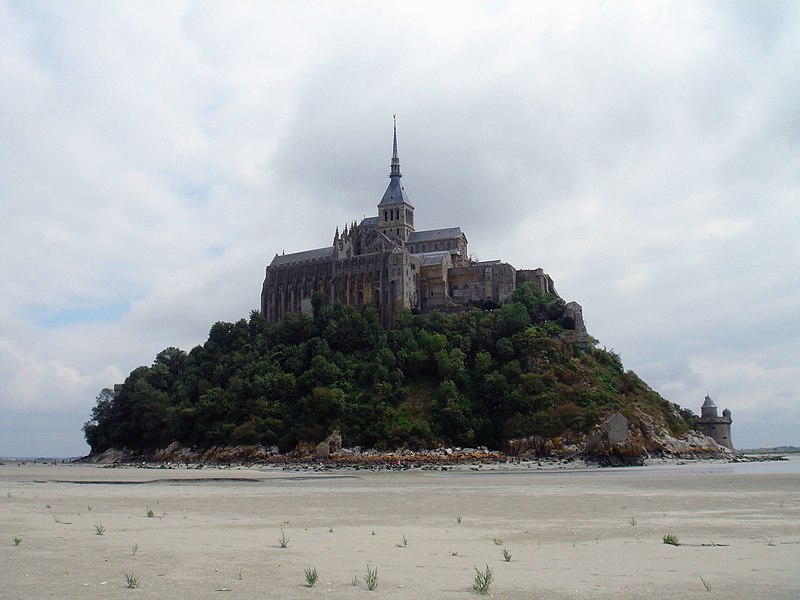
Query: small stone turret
point(714, 426)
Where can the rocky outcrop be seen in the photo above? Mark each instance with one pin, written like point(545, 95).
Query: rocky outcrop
point(330, 445)
point(618, 441)
point(109, 457)
point(621, 441)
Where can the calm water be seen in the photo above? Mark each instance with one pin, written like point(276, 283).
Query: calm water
point(790, 466)
point(705, 467)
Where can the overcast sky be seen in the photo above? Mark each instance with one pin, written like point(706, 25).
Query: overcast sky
point(154, 156)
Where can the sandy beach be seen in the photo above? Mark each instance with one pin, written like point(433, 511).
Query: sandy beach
point(214, 533)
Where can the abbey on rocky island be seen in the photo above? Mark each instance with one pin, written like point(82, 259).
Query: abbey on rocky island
point(385, 262)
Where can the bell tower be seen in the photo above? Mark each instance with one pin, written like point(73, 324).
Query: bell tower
point(395, 212)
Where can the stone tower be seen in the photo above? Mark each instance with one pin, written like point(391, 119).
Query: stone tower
point(714, 426)
point(395, 213)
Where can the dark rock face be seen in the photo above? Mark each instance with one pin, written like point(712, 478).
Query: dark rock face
point(612, 460)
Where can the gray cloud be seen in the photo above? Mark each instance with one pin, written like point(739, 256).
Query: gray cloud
point(155, 159)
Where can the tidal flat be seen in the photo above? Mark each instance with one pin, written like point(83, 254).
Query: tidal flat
point(76, 531)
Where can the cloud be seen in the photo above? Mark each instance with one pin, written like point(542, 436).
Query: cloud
point(155, 158)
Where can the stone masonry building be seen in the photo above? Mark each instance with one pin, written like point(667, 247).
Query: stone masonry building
point(714, 426)
point(384, 261)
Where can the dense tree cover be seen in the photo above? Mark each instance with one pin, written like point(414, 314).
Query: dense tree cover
point(474, 378)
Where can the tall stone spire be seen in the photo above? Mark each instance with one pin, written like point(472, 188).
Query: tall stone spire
point(395, 212)
point(395, 171)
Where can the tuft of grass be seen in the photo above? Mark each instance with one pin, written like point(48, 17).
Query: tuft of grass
point(371, 578)
point(134, 549)
point(311, 576)
point(355, 581)
point(331, 529)
point(506, 555)
point(99, 529)
point(131, 581)
point(632, 521)
point(17, 540)
point(89, 507)
point(149, 512)
point(403, 543)
point(705, 583)
point(497, 541)
point(671, 539)
point(458, 519)
point(483, 579)
point(283, 540)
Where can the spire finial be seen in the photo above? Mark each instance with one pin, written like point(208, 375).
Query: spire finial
point(395, 167)
point(394, 144)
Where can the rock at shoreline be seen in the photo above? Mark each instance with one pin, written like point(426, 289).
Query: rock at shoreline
point(616, 442)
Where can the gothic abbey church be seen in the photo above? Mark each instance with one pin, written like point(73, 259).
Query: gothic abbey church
point(385, 262)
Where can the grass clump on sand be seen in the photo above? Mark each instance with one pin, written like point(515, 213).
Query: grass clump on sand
point(311, 576)
point(283, 541)
point(17, 540)
point(131, 581)
point(99, 528)
point(483, 579)
point(371, 578)
point(671, 539)
point(506, 555)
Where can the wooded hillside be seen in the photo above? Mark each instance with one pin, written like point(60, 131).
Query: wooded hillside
point(475, 378)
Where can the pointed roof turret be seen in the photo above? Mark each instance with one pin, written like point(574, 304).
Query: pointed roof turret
point(394, 194)
point(709, 403)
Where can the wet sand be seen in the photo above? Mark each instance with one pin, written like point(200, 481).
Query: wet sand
point(571, 534)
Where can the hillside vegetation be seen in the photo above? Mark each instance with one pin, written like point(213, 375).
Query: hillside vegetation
point(477, 378)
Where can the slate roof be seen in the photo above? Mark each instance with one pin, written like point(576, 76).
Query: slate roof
point(709, 403)
point(394, 194)
point(369, 221)
point(433, 235)
point(296, 257)
point(434, 258)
